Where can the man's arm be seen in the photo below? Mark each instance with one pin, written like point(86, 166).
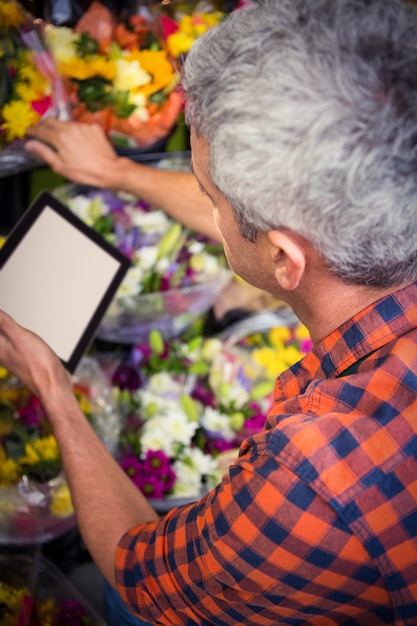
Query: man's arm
point(106, 502)
point(82, 153)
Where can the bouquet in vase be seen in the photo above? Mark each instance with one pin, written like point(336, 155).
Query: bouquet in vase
point(175, 276)
point(35, 502)
point(190, 402)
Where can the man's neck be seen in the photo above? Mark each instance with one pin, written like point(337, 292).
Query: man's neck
point(333, 303)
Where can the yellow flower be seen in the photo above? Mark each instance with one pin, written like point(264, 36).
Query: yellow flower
point(156, 64)
point(85, 405)
point(190, 28)
point(130, 75)
point(61, 41)
point(30, 92)
point(276, 359)
point(267, 357)
point(30, 75)
point(18, 116)
point(44, 448)
point(9, 470)
point(301, 332)
point(212, 19)
point(46, 612)
point(61, 505)
point(200, 29)
point(10, 14)
point(11, 599)
point(179, 43)
point(279, 335)
point(81, 69)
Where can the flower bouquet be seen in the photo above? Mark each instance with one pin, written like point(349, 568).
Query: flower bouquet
point(33, 592)
point(191, 401)
point(29, 85)
point(118, 75)
point(175, 276)
point(35, 503)
point(17, 586)
point(180, 23)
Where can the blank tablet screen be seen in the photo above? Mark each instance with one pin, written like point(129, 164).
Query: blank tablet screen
point(58, 276)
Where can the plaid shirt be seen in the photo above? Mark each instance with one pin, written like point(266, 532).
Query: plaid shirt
point(316, 522)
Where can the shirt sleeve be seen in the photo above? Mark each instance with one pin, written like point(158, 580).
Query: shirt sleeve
point(261, 543)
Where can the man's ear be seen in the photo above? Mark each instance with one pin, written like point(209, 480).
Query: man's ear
point(289, 256)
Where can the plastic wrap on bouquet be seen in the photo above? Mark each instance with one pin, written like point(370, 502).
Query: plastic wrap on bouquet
point(31, 512)
point(176, 274)
point(35, 503)
point(118, 75)
point(18, 575)
point(57, 602)
point(33, 592)
point(105, 418)
point(30, 88)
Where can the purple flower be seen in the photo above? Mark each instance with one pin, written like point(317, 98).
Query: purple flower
point(133, 423)
point(144, 206)
point(133, 468)
point(127, 377)
point(202, 394)
point(33, 413)
point(306, 345)
point(156, 460)
point(154, 475)
point(158, 464)
point(71, 613)
point(153, 487)
point(140, 352)
point(255, 423)
point(219, 445)
point(121, 220)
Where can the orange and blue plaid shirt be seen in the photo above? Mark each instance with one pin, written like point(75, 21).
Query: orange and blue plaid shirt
point(316, 521)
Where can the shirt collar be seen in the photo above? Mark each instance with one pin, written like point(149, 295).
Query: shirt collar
point(375, 326)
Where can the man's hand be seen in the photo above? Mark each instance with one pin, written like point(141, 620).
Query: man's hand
point(80, 152)
point(28, 357)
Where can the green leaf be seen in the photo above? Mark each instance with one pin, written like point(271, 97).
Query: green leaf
point(95, 92)
point(199, 368)
point(104, 224)
point(156, 342)
point(158, 97)
point(121, 106)
point(189, 406)
point(86, 45)
point(262, 390)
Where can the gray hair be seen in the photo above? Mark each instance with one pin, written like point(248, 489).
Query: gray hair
point(309, 108)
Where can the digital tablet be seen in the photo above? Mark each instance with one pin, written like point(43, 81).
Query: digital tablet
point(58, 277)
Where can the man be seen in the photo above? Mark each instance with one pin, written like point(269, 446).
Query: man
point(303, 135)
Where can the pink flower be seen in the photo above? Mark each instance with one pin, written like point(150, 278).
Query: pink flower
point(306, 345)
point(154, 475)
point(153, 487)
point(33, 413)
point(133, 468)
point(42, 105)
point(158, 464)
